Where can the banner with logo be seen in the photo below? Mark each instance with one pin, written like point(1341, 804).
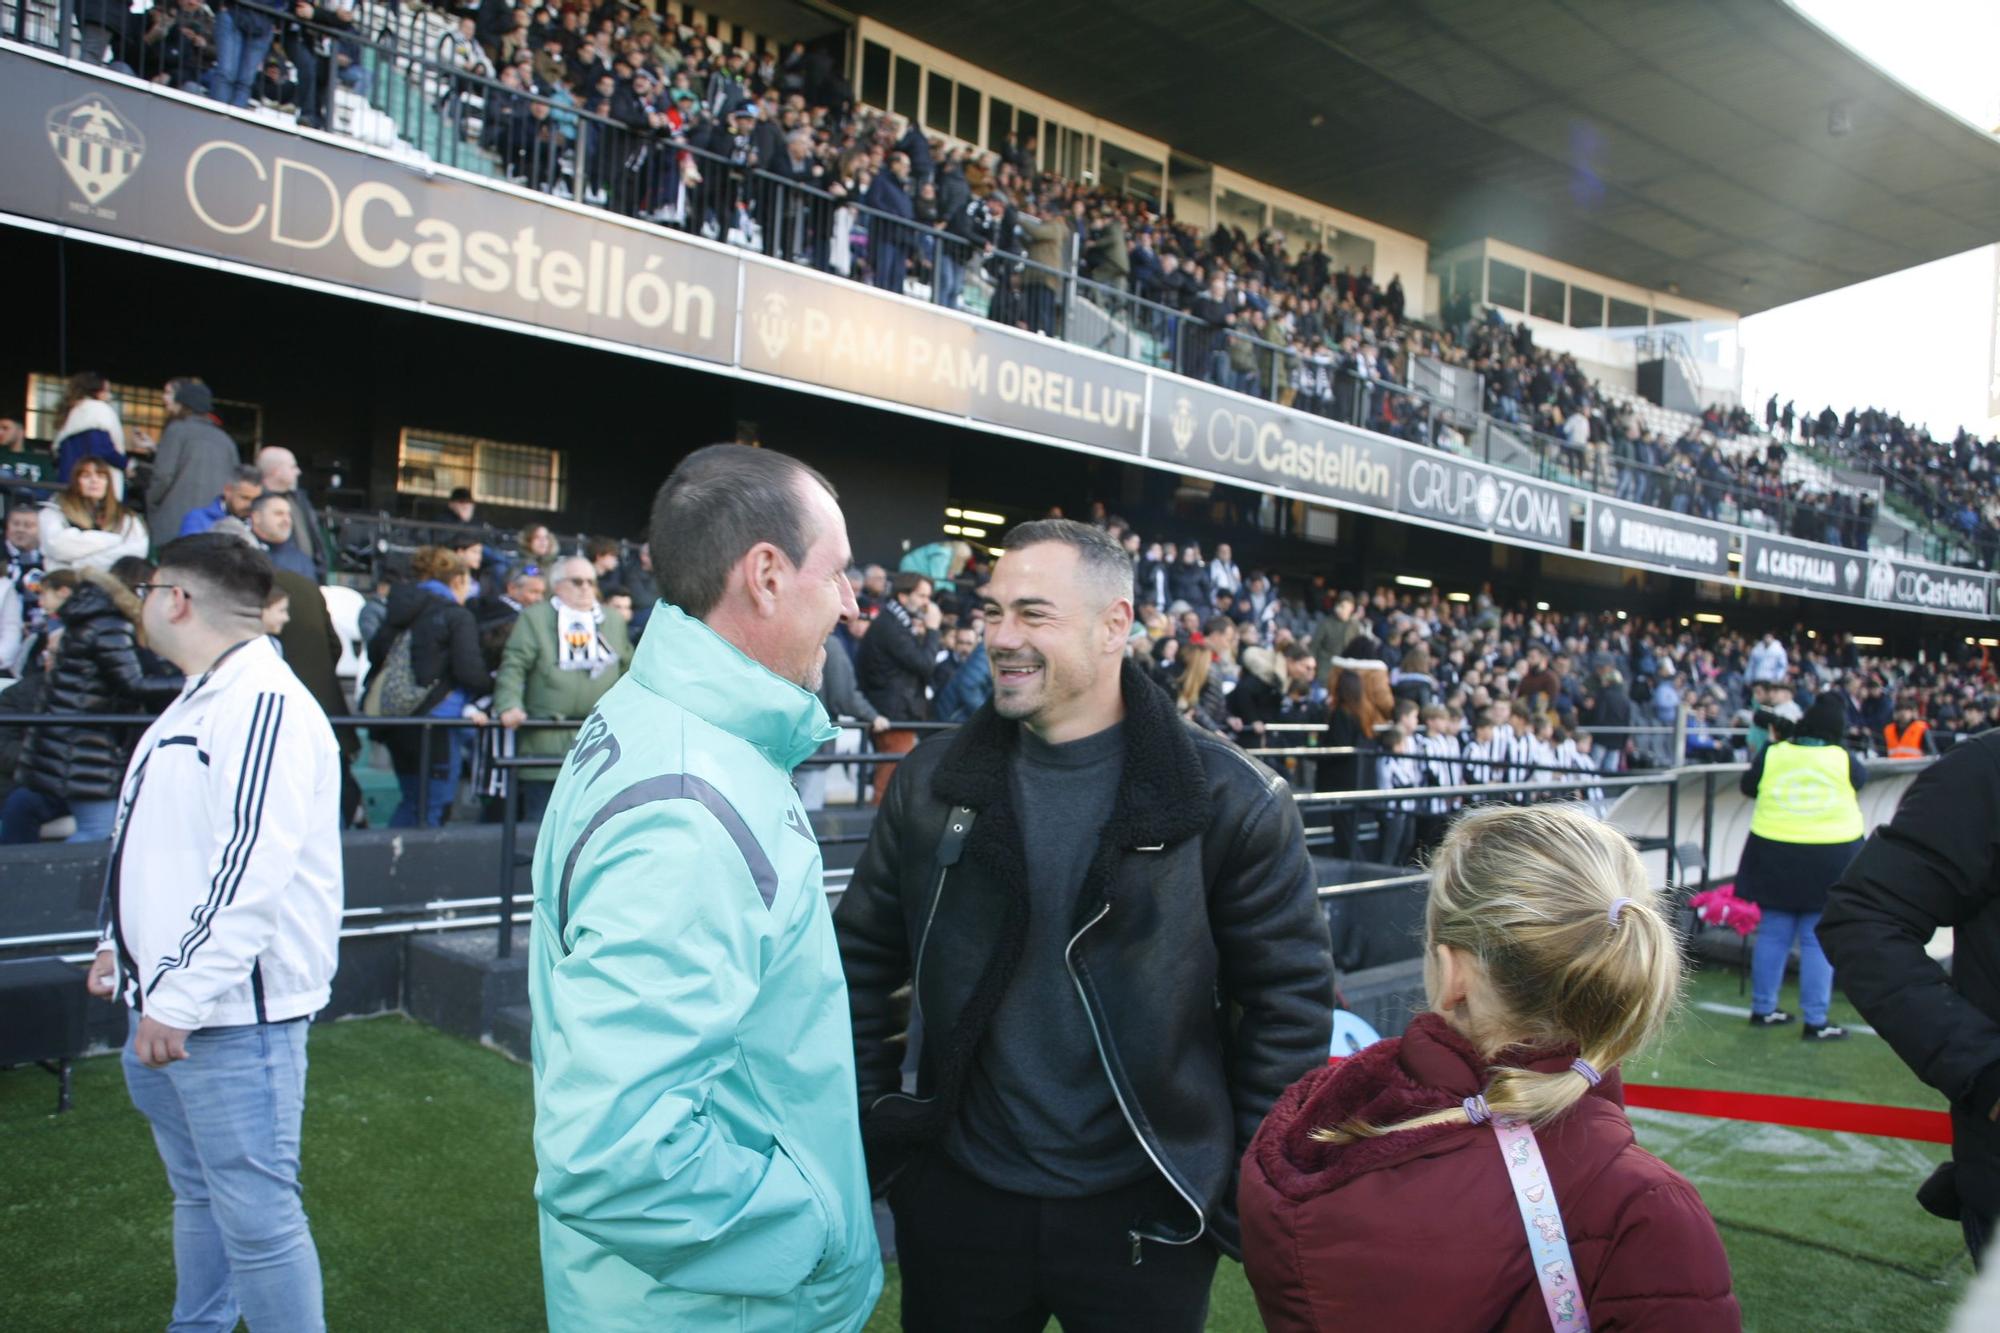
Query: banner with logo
point(1436, 485)
point(1918, 587)
point(1780, 562)
point(1658, 538)
point(153, 168)
point(841, 335)
point(1260, 442)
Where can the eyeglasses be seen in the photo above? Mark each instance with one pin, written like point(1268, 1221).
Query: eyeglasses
point(141, 589)
point(581, 583)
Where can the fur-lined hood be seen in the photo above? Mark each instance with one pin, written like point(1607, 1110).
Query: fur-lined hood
point(98, 593)
point(93, 414)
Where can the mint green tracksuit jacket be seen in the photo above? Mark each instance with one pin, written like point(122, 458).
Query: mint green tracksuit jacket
point(696, 1131)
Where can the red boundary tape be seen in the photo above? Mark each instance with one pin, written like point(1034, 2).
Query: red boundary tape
point(1884, 1122)
point(1889, 1122)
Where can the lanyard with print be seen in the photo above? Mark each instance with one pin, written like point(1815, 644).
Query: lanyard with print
point(1548, 1248)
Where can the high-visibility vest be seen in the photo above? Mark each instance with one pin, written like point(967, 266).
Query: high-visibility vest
point(1908, 745)
point(1806, 796)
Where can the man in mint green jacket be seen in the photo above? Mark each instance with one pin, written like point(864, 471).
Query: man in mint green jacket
point(696, 1127)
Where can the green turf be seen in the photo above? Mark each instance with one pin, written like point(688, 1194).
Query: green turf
point(418, 1171)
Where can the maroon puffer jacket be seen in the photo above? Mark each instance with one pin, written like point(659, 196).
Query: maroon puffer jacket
point(1419, 1229)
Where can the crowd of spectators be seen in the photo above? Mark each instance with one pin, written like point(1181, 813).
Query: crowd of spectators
point(1950, 482)
point(769, 148)
point(1412, 689)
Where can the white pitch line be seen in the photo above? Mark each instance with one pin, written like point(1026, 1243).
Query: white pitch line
point(1738, 1011)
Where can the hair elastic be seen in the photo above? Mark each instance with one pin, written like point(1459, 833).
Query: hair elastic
point(1617, 906)
point(1476, 1110)
point(1583, 1067)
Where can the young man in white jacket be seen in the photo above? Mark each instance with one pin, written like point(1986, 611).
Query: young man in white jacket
point(221, 924)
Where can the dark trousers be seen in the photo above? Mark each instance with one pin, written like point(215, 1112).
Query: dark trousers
point(975, 1259)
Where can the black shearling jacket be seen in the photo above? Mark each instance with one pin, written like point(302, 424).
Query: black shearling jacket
point(1198, 946)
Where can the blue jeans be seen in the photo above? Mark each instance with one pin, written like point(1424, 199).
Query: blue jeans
point(226, 1122)
point(950, 273)
point(449, 746)
point(1767, 965)
point(241, 40)
point(26, 810)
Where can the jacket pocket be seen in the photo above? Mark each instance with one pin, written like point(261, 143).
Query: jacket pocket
point(836, 1249)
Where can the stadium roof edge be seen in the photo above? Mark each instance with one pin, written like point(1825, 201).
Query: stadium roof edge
point(1735, 153)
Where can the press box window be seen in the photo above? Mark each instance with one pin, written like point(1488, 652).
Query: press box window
point(519, 476)
point(1545, 298)
point(1506, 285)
point(874, 74)
point(909, 83)
point(141, 405)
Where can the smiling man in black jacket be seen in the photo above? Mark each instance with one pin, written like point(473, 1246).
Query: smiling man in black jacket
point(1110, 925)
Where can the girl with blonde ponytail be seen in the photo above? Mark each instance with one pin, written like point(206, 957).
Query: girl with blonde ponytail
point(1478, 1172)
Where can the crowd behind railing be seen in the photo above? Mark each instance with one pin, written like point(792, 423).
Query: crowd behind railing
point(469, 648)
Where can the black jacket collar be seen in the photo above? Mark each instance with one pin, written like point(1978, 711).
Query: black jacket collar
point(1162, 795)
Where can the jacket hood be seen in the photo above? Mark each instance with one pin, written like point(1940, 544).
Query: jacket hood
point(1429, 1068)
point(684, 660)
point(99, 594)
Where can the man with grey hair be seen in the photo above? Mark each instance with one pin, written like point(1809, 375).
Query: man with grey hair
point(1076, 885)
point(699, 1162)
point(563, 655)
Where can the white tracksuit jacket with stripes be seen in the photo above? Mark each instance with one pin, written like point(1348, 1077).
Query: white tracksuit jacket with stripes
point(222, 900)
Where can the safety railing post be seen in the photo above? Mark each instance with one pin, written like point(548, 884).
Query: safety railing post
point(510, 815)
point(424, 775)
point(1707, 825)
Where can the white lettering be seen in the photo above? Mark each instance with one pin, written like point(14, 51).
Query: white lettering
point(355, 232)
point(195, 160)
point(440, 256)
point(562, 279)
point(285, 167)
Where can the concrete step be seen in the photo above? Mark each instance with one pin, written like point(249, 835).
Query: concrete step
point(513, 1025)
point(457, 982)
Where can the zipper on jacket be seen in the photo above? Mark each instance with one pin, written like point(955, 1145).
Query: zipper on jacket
point(917, 978)
point(1097, 1037)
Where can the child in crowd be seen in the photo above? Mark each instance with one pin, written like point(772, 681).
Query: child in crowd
point(1493, 1130)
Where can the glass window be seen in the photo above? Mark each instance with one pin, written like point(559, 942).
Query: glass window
point(999, 122)
point(1027, 126)
point(1627, 314)
point(516, 475)
point(136, 405)
point(1586, 308)
point(966, 123)
point(903, 96)
point(1465, 279)
point(874, 74)
point(1545, 298)
point(1506, 285)
point(1669, 317)
point(937, 103)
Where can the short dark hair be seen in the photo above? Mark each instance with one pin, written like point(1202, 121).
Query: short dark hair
point(1218, 625)
point(1103, 560)
point(722, 500)
point(600, 546)
point(269, 498)
point(1296, 652)
point(239, 574)
point(908, 581)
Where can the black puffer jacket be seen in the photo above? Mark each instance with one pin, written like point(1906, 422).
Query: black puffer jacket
point(1200, 946)
point(98, 669)
point(1937, 863)
point(444, 654)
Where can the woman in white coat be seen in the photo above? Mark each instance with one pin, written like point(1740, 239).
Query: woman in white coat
point(85, 527)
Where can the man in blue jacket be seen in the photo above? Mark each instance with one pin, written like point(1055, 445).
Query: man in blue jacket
point(696, 1123)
